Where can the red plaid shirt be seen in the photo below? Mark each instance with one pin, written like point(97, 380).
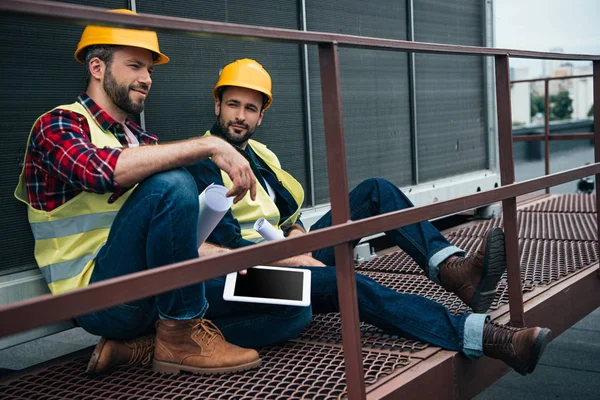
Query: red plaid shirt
point(62, 161)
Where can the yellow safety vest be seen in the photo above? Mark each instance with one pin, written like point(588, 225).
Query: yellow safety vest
point(68, 238)
point(248, 211)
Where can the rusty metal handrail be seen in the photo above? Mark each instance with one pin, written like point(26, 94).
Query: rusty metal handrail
point(552, 78)
point(52, 308)
point(67, 13)
point(546, 137)
point(562, 136)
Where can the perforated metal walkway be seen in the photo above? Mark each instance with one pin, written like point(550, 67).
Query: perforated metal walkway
point(556, 239)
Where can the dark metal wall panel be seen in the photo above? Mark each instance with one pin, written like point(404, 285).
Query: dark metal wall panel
point(38, 72)
point(374, 93)
point(180, 104)
point(451, 124)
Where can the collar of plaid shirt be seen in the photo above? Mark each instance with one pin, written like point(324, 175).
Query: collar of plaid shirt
point(106, 122)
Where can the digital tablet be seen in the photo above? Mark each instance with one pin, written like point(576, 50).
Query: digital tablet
point(271, 285)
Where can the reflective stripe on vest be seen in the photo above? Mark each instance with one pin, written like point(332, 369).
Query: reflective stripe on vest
point(247, 211)
point(68, 238)
point(72, 226)
point(66, 269)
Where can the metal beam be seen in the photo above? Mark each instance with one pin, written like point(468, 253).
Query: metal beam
point(340, 214)
point(100, 295)
point(507, 177)
point(596, 70)
point(560, 78)
point(66, 13)
point(551, 137)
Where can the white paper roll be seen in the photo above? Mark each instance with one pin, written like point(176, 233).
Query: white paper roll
point(213, 205)
point(267, 230)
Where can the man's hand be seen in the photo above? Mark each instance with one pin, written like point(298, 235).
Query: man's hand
point(294, 232)
point(301, 260)
point(227, 158)
point(298, 232)
point(209, 249)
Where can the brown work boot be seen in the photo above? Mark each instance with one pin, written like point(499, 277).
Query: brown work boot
point(198, 346)
point(474, 278)
point(110, 354)
point(519, 348)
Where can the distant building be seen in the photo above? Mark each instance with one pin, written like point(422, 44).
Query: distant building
point(520, 96)
point(582, 92)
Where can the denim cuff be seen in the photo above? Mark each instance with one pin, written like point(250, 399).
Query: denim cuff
point(189, 314)
point(440, 257)
point(473, 335)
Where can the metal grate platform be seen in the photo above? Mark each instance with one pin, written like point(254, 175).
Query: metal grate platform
point(556, 238)
point(569, 203)
point(293, 371)
point(533, 225)
point(327, 328)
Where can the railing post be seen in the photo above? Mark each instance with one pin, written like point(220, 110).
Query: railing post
point(507, 176)
point(547, 130)
point(597, 142)
point(340, 213)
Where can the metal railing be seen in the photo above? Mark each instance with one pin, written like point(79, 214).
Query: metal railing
point(46, 309)
point(546, 137)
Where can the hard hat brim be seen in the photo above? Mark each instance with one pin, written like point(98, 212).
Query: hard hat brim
point(236, 83)
point(162, 58)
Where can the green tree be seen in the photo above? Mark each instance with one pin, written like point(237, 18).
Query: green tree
point(561, 106)
point(537, 105)
point(591, 112)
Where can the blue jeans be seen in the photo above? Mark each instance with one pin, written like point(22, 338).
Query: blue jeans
point(157, 226)
point(422, 241)
point(411, 316)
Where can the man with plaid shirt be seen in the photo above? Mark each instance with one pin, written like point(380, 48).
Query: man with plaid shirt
point(105, 200)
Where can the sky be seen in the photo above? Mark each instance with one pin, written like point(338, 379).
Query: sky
point(543, 25)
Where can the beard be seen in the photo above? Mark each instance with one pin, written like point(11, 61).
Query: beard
point(119, 94)
point(229, 133)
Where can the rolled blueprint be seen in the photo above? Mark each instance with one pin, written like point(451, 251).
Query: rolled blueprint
point(267, 230)
point(213, 205)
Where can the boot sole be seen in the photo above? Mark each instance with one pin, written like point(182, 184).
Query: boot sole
point(542, 339)
point(171, 368)
point(494, 265)
point(91, 367)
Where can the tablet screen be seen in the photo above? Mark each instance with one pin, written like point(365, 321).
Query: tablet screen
point(270, 284)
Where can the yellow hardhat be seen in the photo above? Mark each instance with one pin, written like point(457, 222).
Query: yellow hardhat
point(248, 74)
point(94, 34)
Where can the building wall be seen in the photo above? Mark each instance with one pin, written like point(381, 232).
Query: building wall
point(520, 98)
point(451, 133)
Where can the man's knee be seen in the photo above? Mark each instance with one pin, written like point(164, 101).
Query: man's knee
point(296, 319)
point(375, 184)
point(177, 184)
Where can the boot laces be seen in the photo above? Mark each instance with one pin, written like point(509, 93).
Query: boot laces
point(208, 330)
point(142, 350)
point(499, 336)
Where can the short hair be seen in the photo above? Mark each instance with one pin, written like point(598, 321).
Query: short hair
point(105, 53)
point(222, 89)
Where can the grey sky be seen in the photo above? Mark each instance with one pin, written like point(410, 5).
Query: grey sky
point(573, 25)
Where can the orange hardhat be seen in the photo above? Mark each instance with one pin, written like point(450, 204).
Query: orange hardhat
point(248, 74)
point(94, 34)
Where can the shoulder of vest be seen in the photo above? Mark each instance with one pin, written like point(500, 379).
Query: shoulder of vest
point(263, 151)
point(75, 107)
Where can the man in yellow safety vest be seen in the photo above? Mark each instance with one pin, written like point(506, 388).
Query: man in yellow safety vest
point(242, 94)
point(105, 200)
